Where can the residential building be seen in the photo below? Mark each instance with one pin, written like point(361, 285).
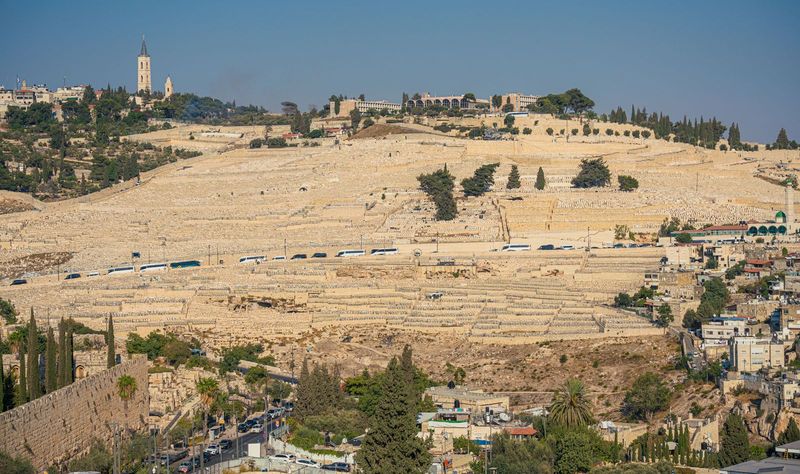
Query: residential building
point(348, 105)
point(63, 94)
point(717, 331)
point(473, 400)
point(751, 354)
point(518, 102)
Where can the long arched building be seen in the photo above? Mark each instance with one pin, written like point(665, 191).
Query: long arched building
point(446, 101)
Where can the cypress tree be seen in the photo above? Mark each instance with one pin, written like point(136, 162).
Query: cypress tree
point(540, 182)
point(513, 178)
point(2, 383)
point(34, 385)
point(790, 434)
point(68, 375)
point(111, 358)
point(782, 142)
point(734, 444)
point(62, 354)
point(50, 375)
point(304, 392)
point(21, 394)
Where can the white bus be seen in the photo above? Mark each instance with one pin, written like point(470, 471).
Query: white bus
point(350, 253)
point(253, 259)
point(119, 270)
point(384, 251)
point(515, 248)
point(152, 267)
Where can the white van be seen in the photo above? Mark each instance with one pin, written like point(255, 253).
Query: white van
point(253, 259)
point(566, 247)
point(152, 267)
point(119, 270)
point(385, 251)
point(515, 248)
point(350, 253)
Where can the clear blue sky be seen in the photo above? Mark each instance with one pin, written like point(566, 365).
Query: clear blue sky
point(738, 60)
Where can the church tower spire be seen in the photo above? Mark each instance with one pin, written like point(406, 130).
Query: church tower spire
point(143, 81)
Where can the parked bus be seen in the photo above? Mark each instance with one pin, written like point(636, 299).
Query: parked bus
point(185, 264)
point(384, 251)
point(515, 248)
point(119, 270)
point(152, 267)
point(253, 259)
point(350, 253)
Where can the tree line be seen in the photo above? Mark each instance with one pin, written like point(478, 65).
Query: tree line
point(34, 347)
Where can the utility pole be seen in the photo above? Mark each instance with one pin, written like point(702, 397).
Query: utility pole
point(209, 254)
point(588, 240)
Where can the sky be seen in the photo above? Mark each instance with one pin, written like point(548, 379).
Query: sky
point(736, 60)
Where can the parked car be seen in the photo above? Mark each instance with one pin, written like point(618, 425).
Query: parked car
point(213, 449)
point(72, 276)
point(337, 467)
point(279, 257)
point(566, 247)
point(319, 255)
point(547, 247)
point(299, 256)
point(225, 444)
point(307, 462)
point(257, 428)
point(242, 428)
point(283, 457)
point(19, 281)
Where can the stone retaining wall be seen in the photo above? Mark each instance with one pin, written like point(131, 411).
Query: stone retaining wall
point(63, 424)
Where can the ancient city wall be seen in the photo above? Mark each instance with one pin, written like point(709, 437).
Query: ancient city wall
point(62, 424)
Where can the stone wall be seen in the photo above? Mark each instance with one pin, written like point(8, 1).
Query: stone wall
point(63, 424)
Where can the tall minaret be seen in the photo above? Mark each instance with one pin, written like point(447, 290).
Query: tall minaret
point(143, 82)
point(790, 224)
point(168, 88)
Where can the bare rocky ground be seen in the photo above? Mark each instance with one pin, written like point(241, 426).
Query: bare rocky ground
point(18, 266)
point(529, 373)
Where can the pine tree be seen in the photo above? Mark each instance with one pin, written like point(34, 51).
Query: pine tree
point(513, 178)
point(392, 445)
point(50, 375)
point(111, 358)
point(734, 444)
point(62, 354)
point(34, 385)
point(540, 182)
point(21, 394)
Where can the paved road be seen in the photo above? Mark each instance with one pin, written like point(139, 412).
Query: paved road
point(231, 454)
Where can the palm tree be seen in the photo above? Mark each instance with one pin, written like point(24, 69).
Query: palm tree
point(126, 387)
point(207, 388)
point(570, 406)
